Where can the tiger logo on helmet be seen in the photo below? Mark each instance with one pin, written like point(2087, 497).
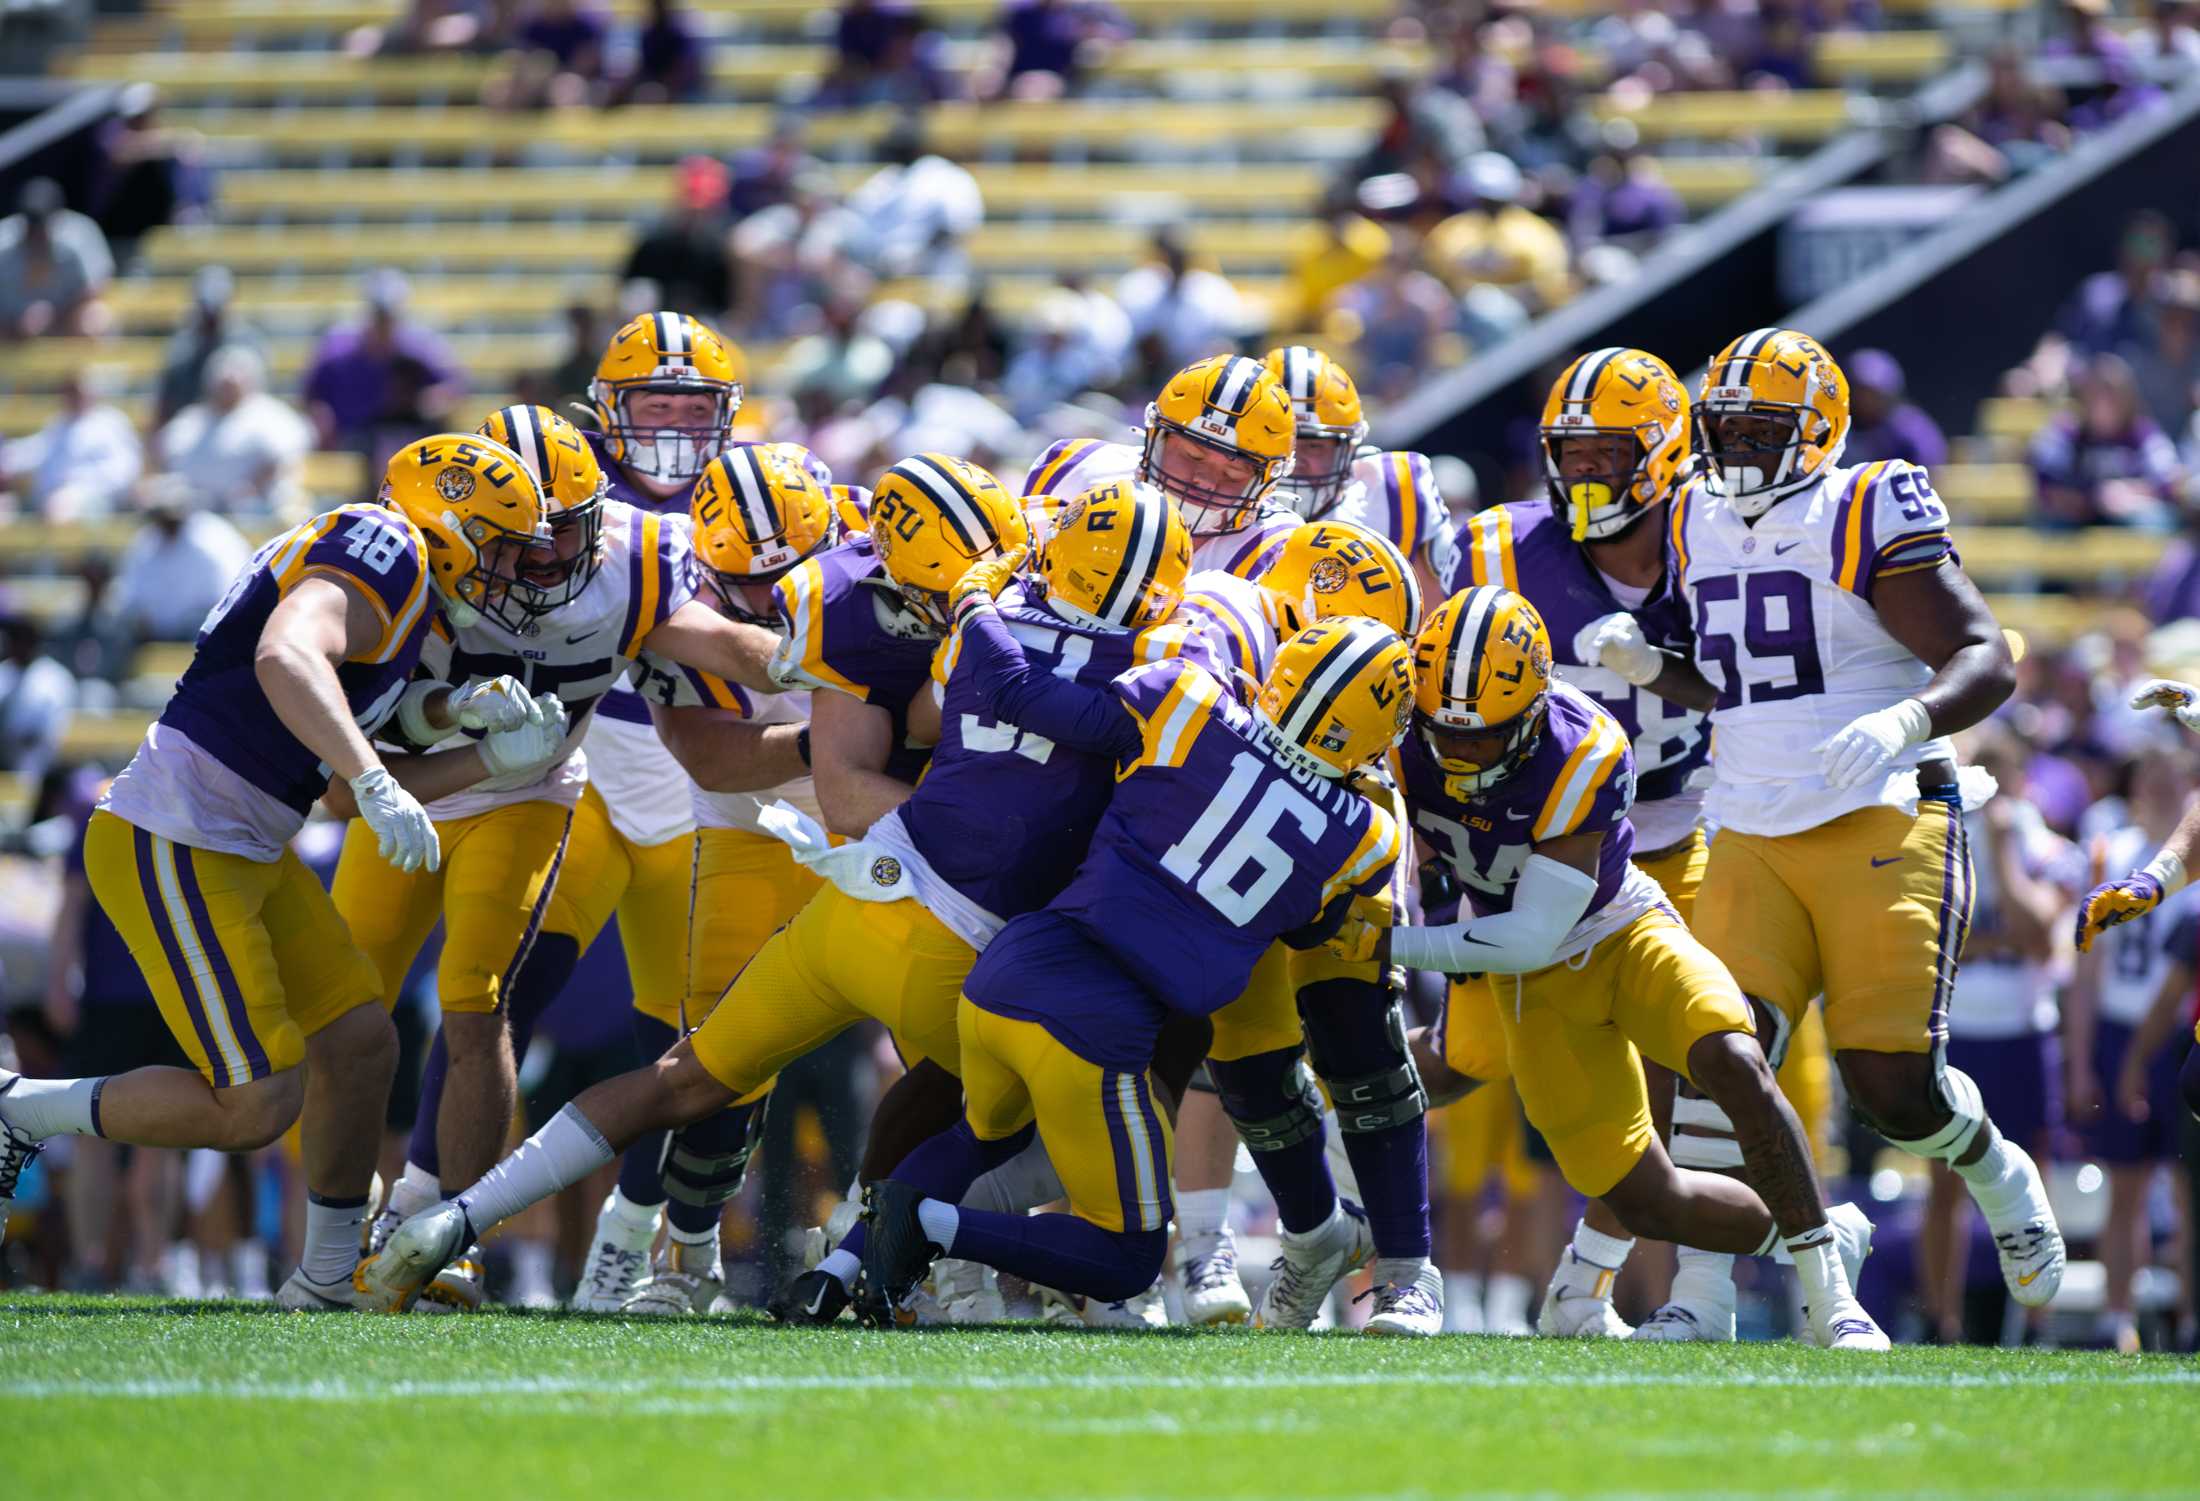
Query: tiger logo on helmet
point(479, 510)
point(1339, 694)
point(757, 511)
point(1330, 427)
point(1773, 416)
point(1629, 404)
point(1114, 558)
point(932, 516)
point(574, 489)
point(1330, 568)
point(1482, 664)
point(1228, 406)
point(667, 354)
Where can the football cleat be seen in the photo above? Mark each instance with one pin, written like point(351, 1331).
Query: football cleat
point(895, 1251)
point(18, 1149)
point(424, 1245)
point(1577, 1304)
point(1846, 1326)
point(1207, 1278)
point(1683, 1321)
point(301, 1294)
point(966, 1292)
point(1852, 1237)
point(618, 1260)
point(461, 1287)
point(1145, 1311)
point(2026, 1237)
point(689, 1280)
point(1409, 1298)
point(1312, 1264)
point(813, 1299)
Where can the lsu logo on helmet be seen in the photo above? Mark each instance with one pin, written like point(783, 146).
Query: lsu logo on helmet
point(1481, 686)
point(1612, 399)
point(1773, 416)
point(757, 511)
point(1339, 694)
point(480, 513)
point(1330, 568)
point(932, 516)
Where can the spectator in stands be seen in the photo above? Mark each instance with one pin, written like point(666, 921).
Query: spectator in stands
point(210, 326)
point(1473, 70)
point(766, 175)
point(1430, 132)
point(177, 567)
point(2173, 592)
point(2166, 360)
point(1056, 359)
point(839, 365)
point(2110, 308)
point(240, 450)
point(670, 61)
point(1622, 196)
point(1050, 45)
point(2171, 35)
point(95, 643)
point(686, 252)
point(37, 699)
point(382, 381)
point(147, 177)
point(912, 215)
point(54, 267)
point(430, 26)
point(83, 462)
point(1392, 319)
point(557, 59)
point(1881, 424)
point(1782, 55)
point(884, 54)
point(1178, 312)
point(2106, 464)
point(1495, 240)
point(567, 381)
point(792, 256)
point(2019, 125)
point(1350, 246)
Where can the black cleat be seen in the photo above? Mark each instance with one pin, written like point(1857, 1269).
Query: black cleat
point(895, 1252)
point(815, 1298)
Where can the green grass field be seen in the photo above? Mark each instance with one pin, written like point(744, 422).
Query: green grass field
point(111, 1398)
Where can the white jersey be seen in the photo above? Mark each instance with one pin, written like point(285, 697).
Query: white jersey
point(580, 651)
point(675, 686)
point(1394, 494)
point(2135, 956)
point(1785, 630)
point(1235, 622)
point(1075, 465)
point(1998, 994)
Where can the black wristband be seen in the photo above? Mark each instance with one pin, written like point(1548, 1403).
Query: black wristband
point(802, 744)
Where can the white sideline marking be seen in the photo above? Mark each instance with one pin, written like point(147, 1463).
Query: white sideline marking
point(685, 1390)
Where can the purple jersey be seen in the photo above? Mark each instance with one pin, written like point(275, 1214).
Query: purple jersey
point(1580, 780)
point(845, 629)
point(1529, 550)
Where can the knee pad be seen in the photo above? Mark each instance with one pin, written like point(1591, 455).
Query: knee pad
point(1710, 1146)
point(1363, 1057)
point(1200, 1082)
point(1023, 1183)
point(705, 1163)
point(1270, 1098)
point(1967, 1112)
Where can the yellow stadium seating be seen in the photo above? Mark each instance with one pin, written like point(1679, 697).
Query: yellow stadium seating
point(1985, 492)
point(1797, 116)
point(2014, 418)
point(2086, 559)
point(1879, 58)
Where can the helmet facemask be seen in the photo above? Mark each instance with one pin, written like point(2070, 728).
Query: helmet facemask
point(496, 588)
point(670, 454)
point(552, 573)
point(1321, 468)
point(1476, 758)
point(1756, 448)
point(1208, 510)
point(1605, 496)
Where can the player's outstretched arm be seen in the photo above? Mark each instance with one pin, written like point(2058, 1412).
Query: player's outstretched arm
point(850, 742)
point(1617, 643)
point(1946, 623)
point(313, 629)
point(2143, 890)
point(1068, 713)
point(725, 753)
point(697, 636)
point(1556, 886)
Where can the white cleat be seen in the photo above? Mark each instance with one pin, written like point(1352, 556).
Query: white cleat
point(1852, 1237)
point(18, 1149)
point(301, 1294)
point(1686, 1320)
point(424, 1245)
point(1145, 1311)
point(1207, 1278)
point(617, 1262)
point(2027, 1238)
point(1409, 1299)
point(1311, 1265)
point(690, 1280)
point(1578, 1302)
point(461, 1287)
point(1846, 1326)
point(967, 1292)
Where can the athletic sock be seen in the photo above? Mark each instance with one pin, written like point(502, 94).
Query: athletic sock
point(1599, 1249)
point(1817, 1262)
point(938, 1220)
point(842, 1265)
point(562, 1153)
point(1998, 1177)
point(1201, 1211)
point(54, 1107)
point(1462, 1303)
point(1391, 1167)
point(1701, 1276)
point(331, 1248)
point(417, 1188)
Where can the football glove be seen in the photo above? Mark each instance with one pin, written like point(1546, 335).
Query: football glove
point(529, 746)
point(1616, 643)
point(402, 829)
point(2181, 699)
point(981, 581)
point(1360, 939)
point(1869, 743)
point(501, 703)
point(2113, 902)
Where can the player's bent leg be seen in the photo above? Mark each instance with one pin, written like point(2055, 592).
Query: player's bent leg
point(350, 1064)
point(1208, 1283)
point(704, 1170)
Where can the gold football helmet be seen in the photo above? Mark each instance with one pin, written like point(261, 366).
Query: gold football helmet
point(1114, 557)
point(1339, 694)
point(932, 516)
point(667, 354)
point(1234, 435)
point(1615, 440)
point(1331, 568)
point(478, 508)
point(1325, 405)
point(1773, 416)
point(1481, 686)
point(573, 490)
point(758, 511)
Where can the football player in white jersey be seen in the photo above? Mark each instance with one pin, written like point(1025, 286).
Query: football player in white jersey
point(1336, 474)
point(1217, 441)
point(1840, 643)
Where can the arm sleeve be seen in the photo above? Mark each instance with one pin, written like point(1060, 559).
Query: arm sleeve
point(1548, 901)
point(1066, 712)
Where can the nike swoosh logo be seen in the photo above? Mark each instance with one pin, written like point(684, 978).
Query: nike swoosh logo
point(1877, 862)
point(583, 636)
point(817, 1302)
point(1785, 547)
point(1509, 813)
point(2028, 1279)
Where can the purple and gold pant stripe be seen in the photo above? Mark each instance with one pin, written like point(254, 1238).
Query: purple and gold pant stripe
point(534, 917)
point(1141, 1151)
point(1954, 919)
point(201, 969)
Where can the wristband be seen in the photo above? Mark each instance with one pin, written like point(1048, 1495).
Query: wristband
point(412, 715)
point(2169, 869)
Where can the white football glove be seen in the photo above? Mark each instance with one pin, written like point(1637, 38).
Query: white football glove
point(406, 837)
point(1870, 742)
point(529, 746)
point(2181, 699)
point(1616, 642)
point(499, 704)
